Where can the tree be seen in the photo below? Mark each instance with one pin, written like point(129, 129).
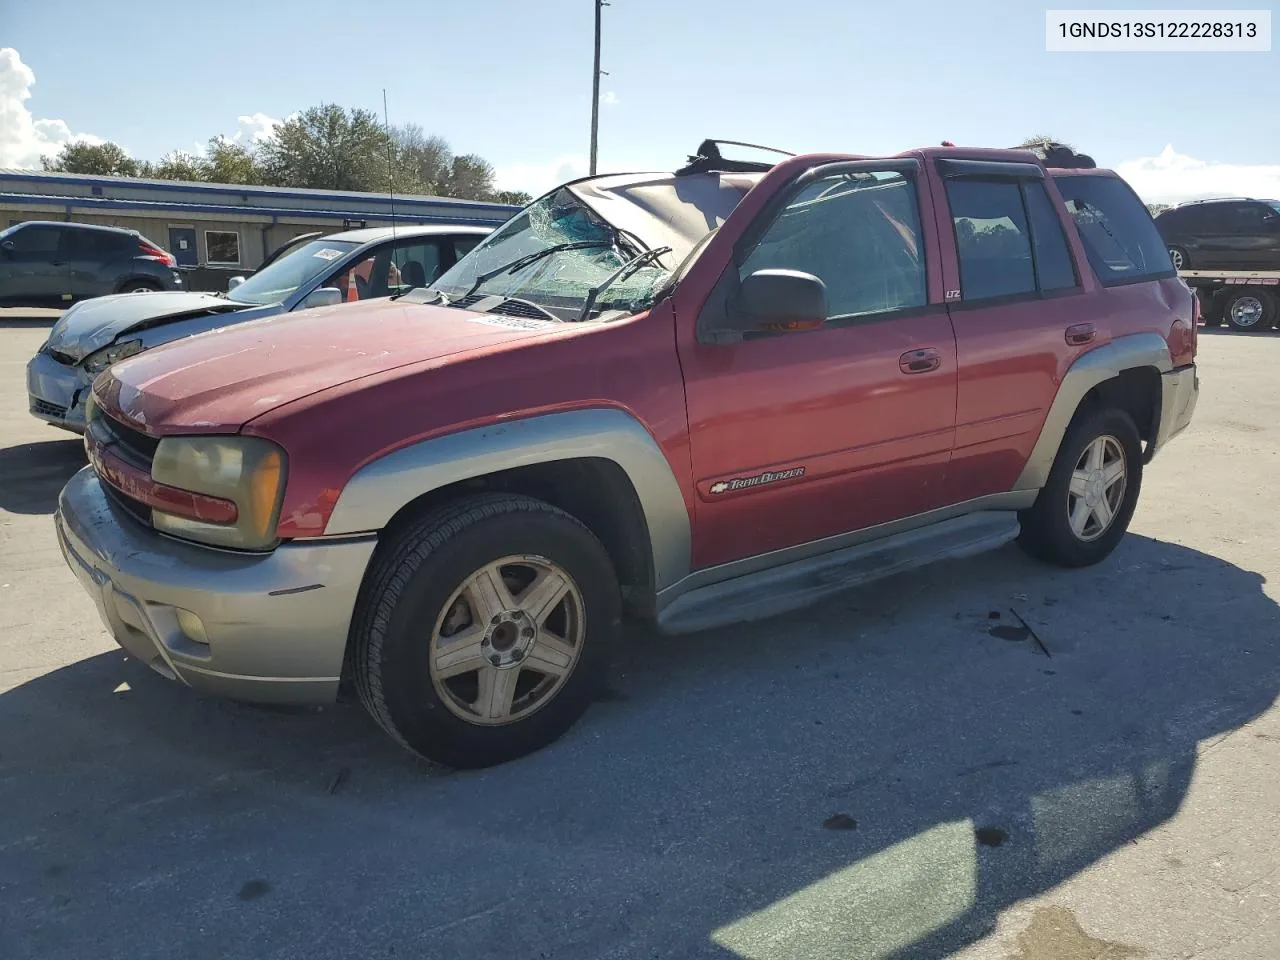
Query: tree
point(515, 197)
point(177, 165)
point(470, 178)
point(98, 159)
point(422, 161)
point(328, 148)
point(230, 162)
point(1039, 141)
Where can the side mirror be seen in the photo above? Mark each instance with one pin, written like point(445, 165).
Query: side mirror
point(321, 297)
point(779, 300)
point(233, 283)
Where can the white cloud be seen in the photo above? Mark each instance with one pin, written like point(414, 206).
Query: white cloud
point(538, 178)
point(1174, 177)
point(609, 99)
point(257, 127)
point(23, 137)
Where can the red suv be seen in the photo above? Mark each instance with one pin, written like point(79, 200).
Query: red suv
point(689, 398)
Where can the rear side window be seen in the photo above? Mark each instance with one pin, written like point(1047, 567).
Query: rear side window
point(99, 243)
point(1118, 233)
point(1053, 257)
point(993, 239)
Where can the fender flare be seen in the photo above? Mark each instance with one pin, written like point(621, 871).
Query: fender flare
point(1097, 366)
point(381, 488)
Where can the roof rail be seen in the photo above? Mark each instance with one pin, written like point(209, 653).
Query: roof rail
point(1187, 203)
point(1054, 154)
point(708, 159)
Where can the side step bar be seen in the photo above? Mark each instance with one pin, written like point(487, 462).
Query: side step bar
point(800, 583)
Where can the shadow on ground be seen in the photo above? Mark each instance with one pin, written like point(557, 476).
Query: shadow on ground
point(34, 473)
point(877, 778)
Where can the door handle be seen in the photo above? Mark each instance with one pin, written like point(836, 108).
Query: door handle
point(1080, 334)
point(920, 361)
point(57, 263)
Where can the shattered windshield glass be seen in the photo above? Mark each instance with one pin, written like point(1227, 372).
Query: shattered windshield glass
point(278, 281)
point(554, 254)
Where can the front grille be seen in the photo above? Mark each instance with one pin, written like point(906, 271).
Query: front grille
point(132, 444)
point(139, 511)
point(44, 408)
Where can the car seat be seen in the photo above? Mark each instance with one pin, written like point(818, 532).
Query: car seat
point(412, 274)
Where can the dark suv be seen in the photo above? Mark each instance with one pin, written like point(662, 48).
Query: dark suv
point(1233, 234)
point(47, 262)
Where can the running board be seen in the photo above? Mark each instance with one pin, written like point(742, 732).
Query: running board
point(797, 584)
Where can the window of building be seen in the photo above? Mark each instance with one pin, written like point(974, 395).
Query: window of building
point(222, 248)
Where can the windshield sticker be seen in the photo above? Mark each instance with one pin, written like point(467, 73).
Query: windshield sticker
point(327, 254)
point(741, 483)
point(514, 323)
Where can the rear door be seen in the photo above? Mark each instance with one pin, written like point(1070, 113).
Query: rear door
point(35, 270)
point(1014, 294)
point(96, 260)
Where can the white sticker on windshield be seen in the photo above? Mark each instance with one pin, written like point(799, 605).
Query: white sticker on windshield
point(327, 254)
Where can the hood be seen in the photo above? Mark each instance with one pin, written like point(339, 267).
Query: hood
point(218, 381)
point(92, 324)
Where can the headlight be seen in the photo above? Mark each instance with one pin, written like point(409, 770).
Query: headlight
point(248, 471)
point(99, 360)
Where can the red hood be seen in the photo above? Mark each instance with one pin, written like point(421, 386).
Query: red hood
point(216, 382)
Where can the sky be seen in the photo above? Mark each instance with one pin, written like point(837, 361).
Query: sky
point(510, 80)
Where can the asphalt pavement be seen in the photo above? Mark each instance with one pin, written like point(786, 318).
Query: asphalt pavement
point(991, 760)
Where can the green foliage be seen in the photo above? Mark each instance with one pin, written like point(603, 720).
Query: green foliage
point(326, 147)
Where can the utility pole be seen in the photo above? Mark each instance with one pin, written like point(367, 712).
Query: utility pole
point(595, 89)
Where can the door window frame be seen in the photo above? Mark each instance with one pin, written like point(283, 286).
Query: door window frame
point(721, 296)
point(1018, 174)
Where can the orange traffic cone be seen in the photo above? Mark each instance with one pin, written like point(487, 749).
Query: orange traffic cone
point(353, 292)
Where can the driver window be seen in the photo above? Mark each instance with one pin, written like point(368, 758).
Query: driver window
point(355, 282)
point(857, 232)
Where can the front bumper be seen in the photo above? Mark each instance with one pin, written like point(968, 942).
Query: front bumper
point(56, 393)
point(275, 624)
point(1180, 390)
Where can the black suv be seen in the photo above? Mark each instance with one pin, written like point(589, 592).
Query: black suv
point(1235, 234)
point(48, 262)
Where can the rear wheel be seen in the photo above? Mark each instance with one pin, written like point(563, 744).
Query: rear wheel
point(485, 630)
point(1181, 259)
point(139, 286)
point(1249, 309)
point(1084, 509)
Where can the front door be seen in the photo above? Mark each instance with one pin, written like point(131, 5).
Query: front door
point(802, 435)
point(35, 266)
point(182, 244)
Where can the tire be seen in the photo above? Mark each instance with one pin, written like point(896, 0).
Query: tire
point(1047, 530)
point(414, 595)
point(1181, 259)
point(1249, 309)
point(139, 286)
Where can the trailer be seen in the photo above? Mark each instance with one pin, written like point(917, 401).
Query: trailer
point(1243, 299)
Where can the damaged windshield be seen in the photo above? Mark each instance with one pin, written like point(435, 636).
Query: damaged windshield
point(278, 281)
point(563, 257)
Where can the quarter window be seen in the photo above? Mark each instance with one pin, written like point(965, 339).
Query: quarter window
point(857, 232)
point(1118, 234)
point(222, 248)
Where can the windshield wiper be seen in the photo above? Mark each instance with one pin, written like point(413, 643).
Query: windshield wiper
point(628, 268)
point(522, 262)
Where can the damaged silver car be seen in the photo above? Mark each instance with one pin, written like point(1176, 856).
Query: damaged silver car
point(353, 265)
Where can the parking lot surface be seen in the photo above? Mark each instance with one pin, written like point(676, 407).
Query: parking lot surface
point(992, 760)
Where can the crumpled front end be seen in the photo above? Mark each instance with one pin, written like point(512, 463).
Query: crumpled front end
point(57, 389)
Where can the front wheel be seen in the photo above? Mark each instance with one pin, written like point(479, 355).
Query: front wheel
point(1084, 509)
point(1181, 259)
point(485, 629)
point(139, 286)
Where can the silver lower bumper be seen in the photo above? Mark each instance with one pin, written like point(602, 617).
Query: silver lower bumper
point(1178, 396)
point(56, 393)
point(268, 628)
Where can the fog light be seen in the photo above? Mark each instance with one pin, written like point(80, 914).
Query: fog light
point(192, 626)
